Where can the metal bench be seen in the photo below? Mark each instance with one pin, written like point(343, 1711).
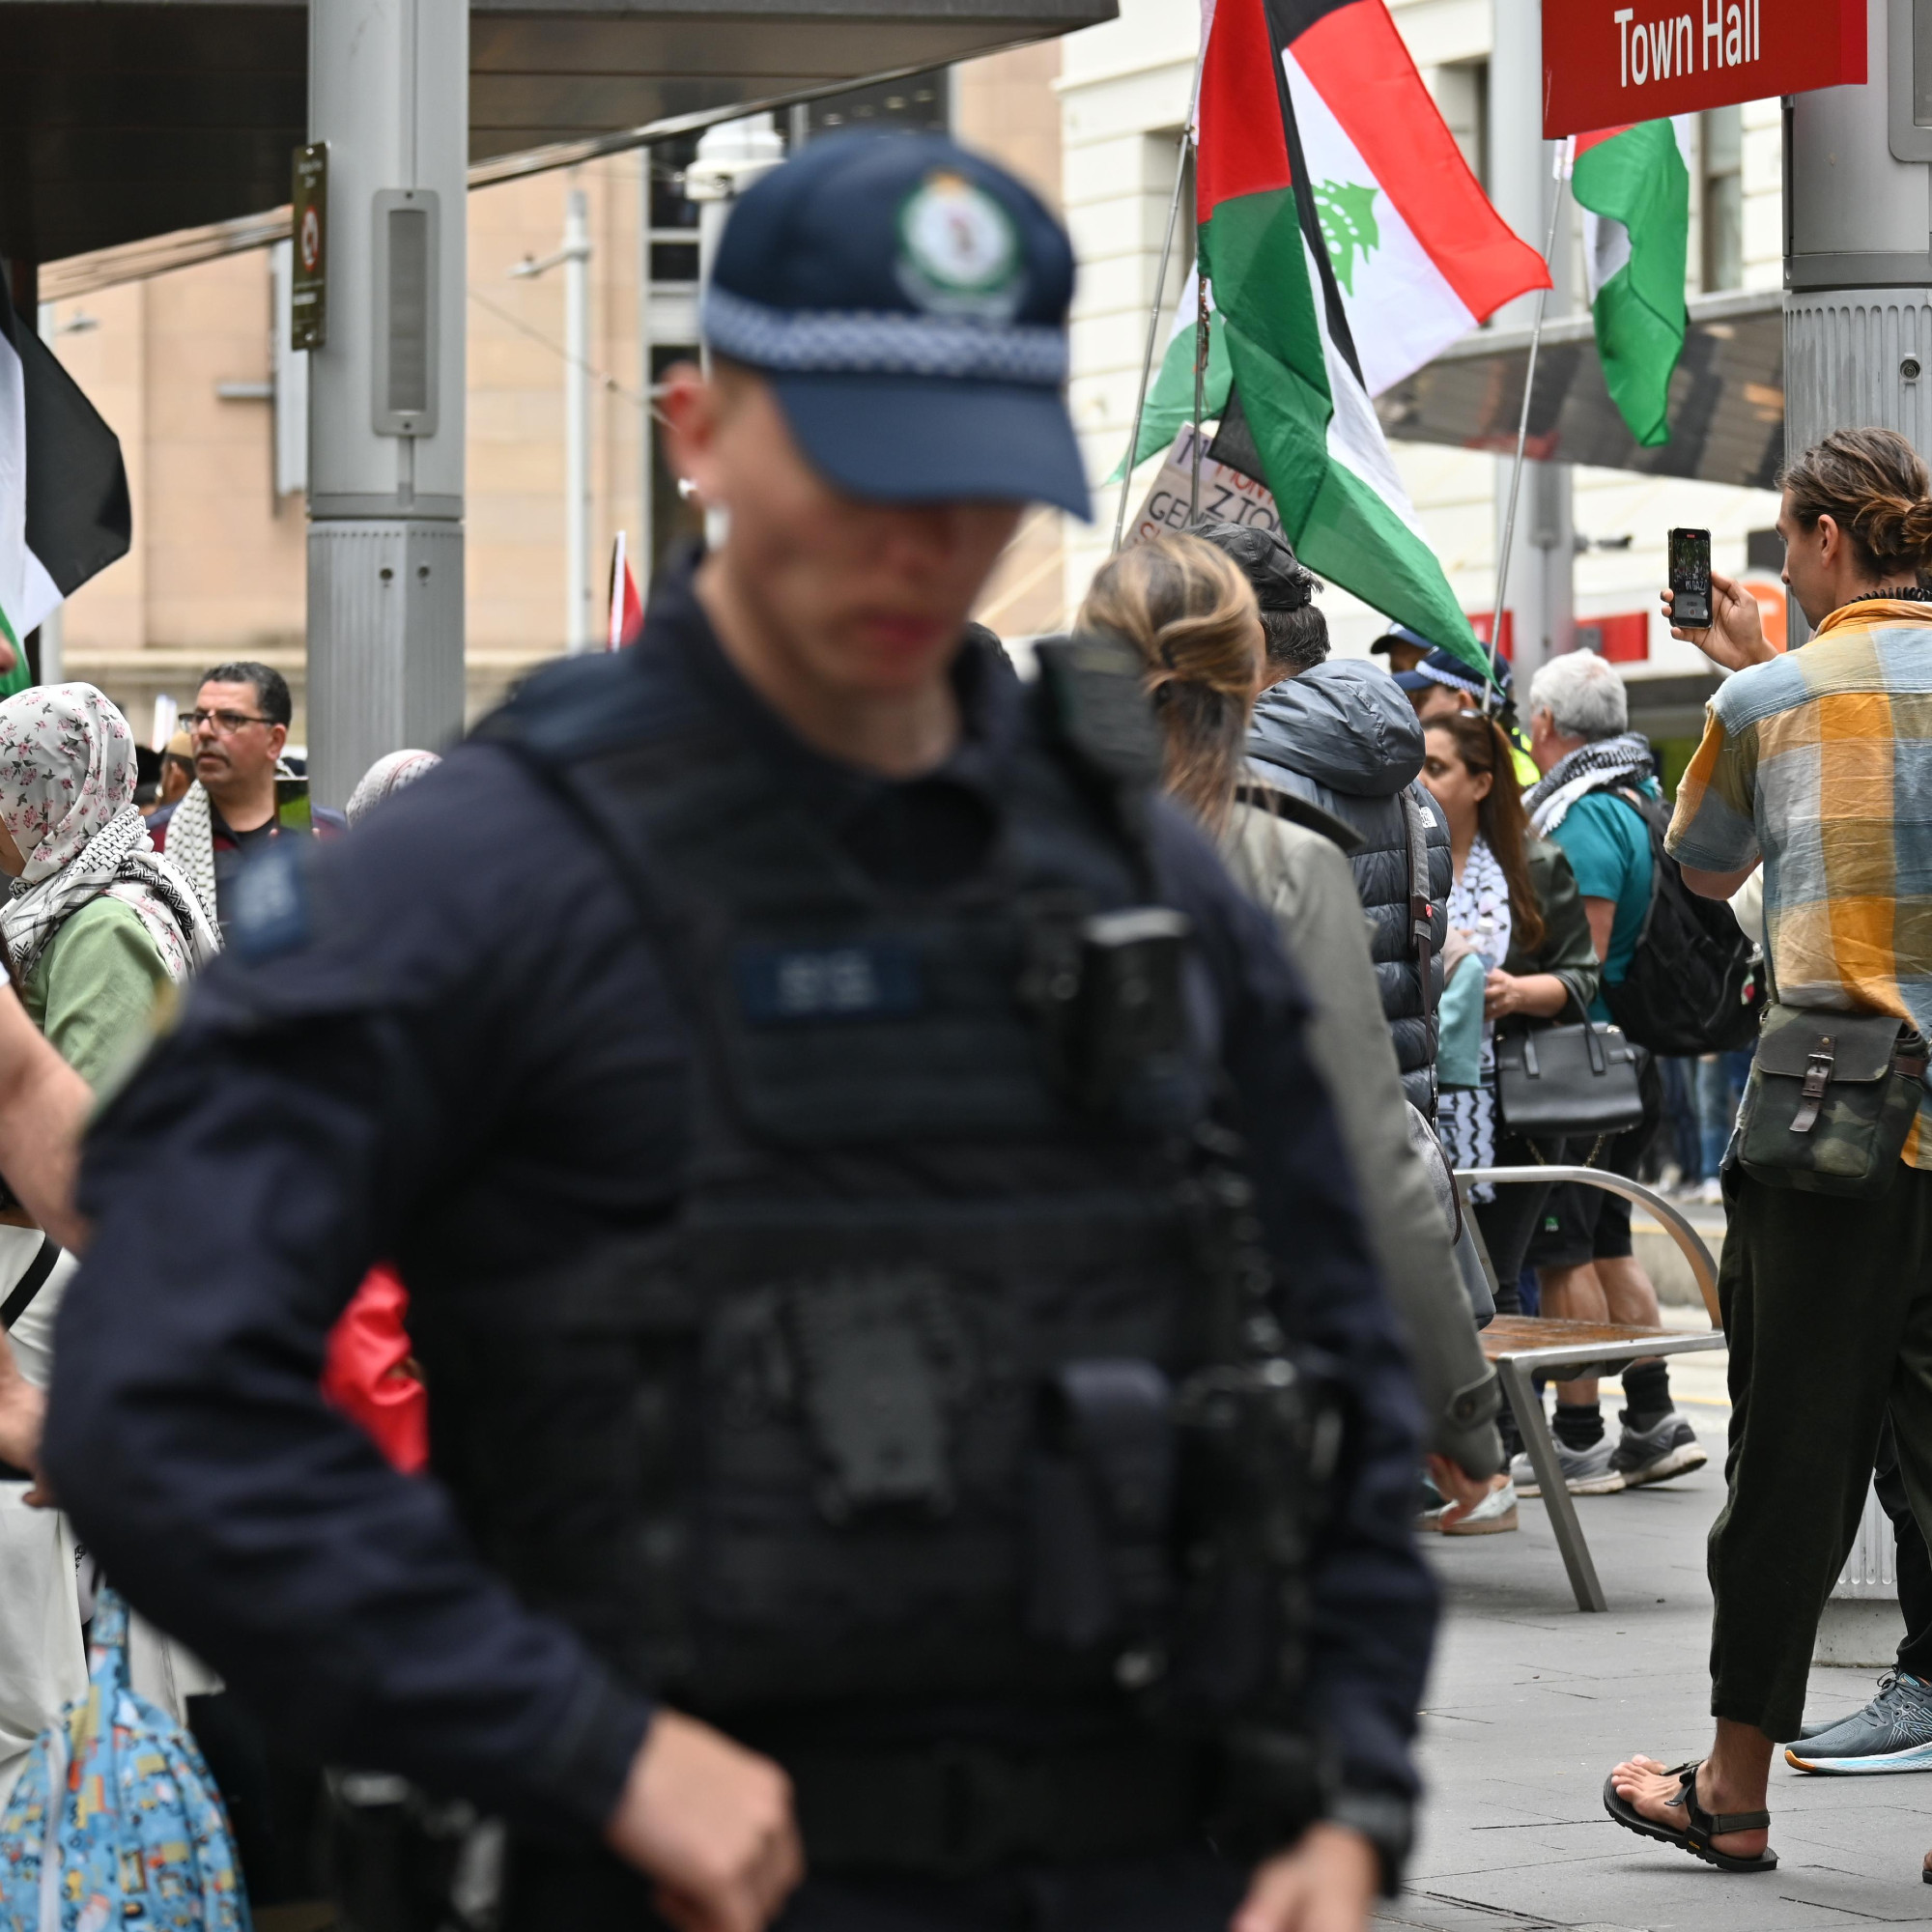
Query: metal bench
point(1521, 1344)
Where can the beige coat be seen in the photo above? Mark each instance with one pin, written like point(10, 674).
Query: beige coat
point(1303, 881)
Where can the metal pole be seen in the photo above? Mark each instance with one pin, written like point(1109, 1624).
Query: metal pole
point(577, 422)
point(646, 383)
point(1188, 131)
point(1521, 440)
point(389, 92)
point(1201, 341)
point(1855, 325)
point(53, 626)
point(1153, 323)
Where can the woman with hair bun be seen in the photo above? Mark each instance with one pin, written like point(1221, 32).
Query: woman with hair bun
point(1192, 614)
point(1816, 764)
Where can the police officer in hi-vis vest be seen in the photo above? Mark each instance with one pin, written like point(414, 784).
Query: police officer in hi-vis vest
point(916, 1439)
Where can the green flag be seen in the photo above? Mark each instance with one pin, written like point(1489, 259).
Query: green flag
point(1635, 194)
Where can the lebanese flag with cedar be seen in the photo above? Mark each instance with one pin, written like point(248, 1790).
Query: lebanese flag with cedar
point(1419, 253)
point(1286, 249)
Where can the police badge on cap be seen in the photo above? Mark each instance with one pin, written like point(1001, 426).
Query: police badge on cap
point(906, 300)
point(962, 256)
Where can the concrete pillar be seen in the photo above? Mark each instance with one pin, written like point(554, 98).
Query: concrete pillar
point(1858, 263)
point(389, 92)
point(1542, 586)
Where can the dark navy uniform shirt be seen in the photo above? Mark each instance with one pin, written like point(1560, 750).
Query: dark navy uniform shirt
point(446, 1040)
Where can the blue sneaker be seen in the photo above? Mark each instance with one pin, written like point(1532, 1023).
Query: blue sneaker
point(1893, 1732)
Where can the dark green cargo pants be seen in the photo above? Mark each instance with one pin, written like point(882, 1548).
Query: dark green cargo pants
point(1827, 1308)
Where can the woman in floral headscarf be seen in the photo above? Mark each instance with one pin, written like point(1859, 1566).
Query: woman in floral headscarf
point(97, 920)
point(97, 923)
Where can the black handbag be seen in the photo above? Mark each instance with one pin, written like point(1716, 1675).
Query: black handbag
point(1560, 1083)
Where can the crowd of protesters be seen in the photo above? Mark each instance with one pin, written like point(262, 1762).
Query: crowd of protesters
point(99, 936)
point(1445, 867)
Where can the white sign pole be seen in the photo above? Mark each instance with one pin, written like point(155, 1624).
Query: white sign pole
point(1181, 147)
point(1565, 156)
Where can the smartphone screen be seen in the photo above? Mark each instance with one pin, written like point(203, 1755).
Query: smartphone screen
point(1690, 579)
point(292, 813)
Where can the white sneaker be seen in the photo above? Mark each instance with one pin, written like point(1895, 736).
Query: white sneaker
point(1491, 1517)
point(1586, 1472)
point(1711, 1193)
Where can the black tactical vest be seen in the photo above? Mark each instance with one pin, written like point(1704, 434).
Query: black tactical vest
point(890, 1411)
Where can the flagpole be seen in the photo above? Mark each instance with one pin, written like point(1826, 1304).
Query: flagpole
point(1200, 393)
point(1564, 151)
point(1154, 331)
point(1181, 147)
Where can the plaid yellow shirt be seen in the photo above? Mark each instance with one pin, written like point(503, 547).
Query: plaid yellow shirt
point(1820, 763)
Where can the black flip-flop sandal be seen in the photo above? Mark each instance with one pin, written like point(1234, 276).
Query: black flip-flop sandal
point(1700, 1825)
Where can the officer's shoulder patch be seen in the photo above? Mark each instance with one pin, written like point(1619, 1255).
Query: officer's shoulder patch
point(271, 915)
point(1094, 684)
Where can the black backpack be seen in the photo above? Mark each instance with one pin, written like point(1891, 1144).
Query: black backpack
point(1694, 985)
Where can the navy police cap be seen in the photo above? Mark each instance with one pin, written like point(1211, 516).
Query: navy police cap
point(1445, 669)
point(907, 301)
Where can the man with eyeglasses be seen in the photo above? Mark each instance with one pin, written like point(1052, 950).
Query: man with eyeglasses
point(228, 818)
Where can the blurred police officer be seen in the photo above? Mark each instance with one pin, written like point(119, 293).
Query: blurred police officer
point(852, 1155)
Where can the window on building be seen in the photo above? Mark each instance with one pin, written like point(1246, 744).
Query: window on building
point(1462, 95)
point(922, 103)
point(673, 232)
point(1721, 146)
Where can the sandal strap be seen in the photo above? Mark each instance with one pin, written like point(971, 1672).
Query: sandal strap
point(1707, 1825)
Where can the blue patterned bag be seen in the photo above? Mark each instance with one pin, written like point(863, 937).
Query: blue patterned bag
point(115, 1821)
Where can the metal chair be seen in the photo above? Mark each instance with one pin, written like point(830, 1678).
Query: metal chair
point(1519, 1346)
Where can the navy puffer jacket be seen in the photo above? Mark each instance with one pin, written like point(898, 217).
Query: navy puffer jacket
point(1345, 736)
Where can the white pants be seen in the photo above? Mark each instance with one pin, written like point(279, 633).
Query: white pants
point(42, 1663)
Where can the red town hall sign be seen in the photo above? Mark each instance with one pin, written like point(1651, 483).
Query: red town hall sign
point(1609, 62)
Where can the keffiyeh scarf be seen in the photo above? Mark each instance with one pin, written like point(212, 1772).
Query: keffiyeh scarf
point(1479, 905)
point(67, 798)
point(1589, 767)
point(191, 846)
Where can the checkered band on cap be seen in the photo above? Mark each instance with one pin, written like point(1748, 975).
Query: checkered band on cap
point(824, 342)
point(1468, 681)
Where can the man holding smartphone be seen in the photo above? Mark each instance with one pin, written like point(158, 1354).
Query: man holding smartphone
point(1816, 764)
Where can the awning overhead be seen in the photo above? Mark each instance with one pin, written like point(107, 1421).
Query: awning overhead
point(139, 117)
point(1726, 398)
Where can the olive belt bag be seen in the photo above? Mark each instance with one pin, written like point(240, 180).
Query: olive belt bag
point(1830, 1100)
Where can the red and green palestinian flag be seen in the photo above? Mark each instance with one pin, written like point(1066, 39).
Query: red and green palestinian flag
point(1417, 253)
point(64, 511)
point(1342, 233)
point(1634, 190)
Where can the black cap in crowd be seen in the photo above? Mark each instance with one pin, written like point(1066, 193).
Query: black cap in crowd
point(1280, 582)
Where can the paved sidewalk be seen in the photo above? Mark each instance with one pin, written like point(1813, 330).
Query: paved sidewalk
point(1531, 1703)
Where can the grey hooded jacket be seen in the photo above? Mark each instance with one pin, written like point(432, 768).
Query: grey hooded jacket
point(1345, 736)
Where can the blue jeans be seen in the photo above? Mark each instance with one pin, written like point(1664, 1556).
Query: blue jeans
point(1680, 1115)
point(1721, 1087)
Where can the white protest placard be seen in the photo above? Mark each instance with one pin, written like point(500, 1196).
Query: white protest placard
point(1227, 497)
